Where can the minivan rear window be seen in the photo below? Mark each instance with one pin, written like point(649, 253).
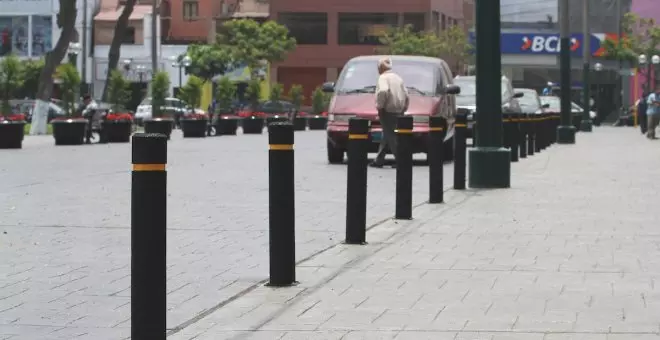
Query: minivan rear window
point(362, 74)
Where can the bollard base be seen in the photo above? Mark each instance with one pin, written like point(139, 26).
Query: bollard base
point(359, 243)
point(282, 285)
point(566, 134)
point(490, 168)
point(586, 126)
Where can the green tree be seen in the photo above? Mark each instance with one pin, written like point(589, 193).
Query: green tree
point(191, 93)
point(296, 95)
point(160, 88)
point(69, 84)
point(318, 101)
point(639, 36)
point(405, 41)
point(31, 71)
point(253, 43)
point(276, 92)
point(253, 92)
point(118, 91)
point(207, 61)
point(11, 78)
point(224, 94)
point(454, 46)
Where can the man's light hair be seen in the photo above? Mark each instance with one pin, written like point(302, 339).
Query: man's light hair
point(385, 63)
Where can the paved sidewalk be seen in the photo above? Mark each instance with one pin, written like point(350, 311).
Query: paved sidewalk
point(572, 251)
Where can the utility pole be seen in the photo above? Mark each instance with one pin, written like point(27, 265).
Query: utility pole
point(566, 130)
point(84, 89)
point(490, 163)
point(154, 37)
point(585, 124)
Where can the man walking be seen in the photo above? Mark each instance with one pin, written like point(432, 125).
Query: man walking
point(653, 112)
point(642, 107)
point(391, 102)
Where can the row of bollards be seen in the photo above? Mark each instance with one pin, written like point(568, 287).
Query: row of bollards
point(524, 135)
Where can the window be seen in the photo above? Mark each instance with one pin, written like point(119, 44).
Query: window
point(190, 10)
point(443, 22)
point(416, 20)
point(306, 28)
point(129, 36)
point(436, 22)
point(364, 28)
point(364, 74)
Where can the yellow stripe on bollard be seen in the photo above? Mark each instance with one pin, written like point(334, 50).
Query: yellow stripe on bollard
point(436, 129)
point(280, 147)
point(358, 136)
point(461, 125)
point(406, 131)
point(148, 167)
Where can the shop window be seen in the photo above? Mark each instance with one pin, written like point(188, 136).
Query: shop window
point(306, 28)
point(364, 28)
point(129, 36)
point(190, 10)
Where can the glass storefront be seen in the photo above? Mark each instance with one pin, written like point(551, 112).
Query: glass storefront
point(20, 38)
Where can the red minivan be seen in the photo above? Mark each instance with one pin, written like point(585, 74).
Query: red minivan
point(431, 93)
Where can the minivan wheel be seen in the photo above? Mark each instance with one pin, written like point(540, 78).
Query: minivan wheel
point(335, 155)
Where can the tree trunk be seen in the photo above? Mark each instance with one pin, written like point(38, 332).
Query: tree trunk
point(115, 47)
point(66, 20)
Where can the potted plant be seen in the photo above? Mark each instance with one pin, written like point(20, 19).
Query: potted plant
point(297, 97)
point(193, 124)
point(226, 121)
point(70, 129)
point(159, 122)
point(319, 120)
point(11, 123)
point(118, 125)
point(277, 114)
point(253, 122)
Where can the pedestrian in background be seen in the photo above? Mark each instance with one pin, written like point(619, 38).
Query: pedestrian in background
point(642, 106)
point(391, 102)
point(653, 110)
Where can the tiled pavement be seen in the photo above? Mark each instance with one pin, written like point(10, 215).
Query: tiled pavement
point(65, 218)
point(572, 251)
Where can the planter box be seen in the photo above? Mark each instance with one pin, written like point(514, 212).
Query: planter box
point(159, 125)
point(116, 131)
point(300, 124)
point(226, 125)
point(194, 128)
point(277, 119)
point(70, 131)
point(317, 122)
point(11, 134)
point(253, 125)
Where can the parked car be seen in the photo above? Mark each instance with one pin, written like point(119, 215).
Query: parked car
point(530, 102)
point(431, 92)
point(466, 101)
point(173, 106)
point(554, 105)
point(273, 107)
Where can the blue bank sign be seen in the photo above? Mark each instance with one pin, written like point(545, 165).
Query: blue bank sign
point(544, 43)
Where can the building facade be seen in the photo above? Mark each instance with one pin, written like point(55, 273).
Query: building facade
point(329, 33)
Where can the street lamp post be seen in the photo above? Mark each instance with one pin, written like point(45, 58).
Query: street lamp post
point(489, 162)
point(586, 124)
point(180, 64)
point(566, 130)
point(598, 68)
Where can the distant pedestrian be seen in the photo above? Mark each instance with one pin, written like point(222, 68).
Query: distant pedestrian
point(642, 106)
point(391, 102)
point(653, 112)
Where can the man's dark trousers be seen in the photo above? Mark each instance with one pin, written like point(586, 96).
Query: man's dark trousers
point(388, 124)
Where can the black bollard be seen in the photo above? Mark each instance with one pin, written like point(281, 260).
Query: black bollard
point(356, 182)
point(515, 133)
point(522, 141)
point(149, 237)
point(437, 125)
point(540, 132)
point(404, 172)
point(506, 131)
point(282, 208)
point(531, 134)
point(460, 133)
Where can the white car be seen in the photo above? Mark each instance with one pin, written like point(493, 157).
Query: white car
point(554, 105)
point(179, 107)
